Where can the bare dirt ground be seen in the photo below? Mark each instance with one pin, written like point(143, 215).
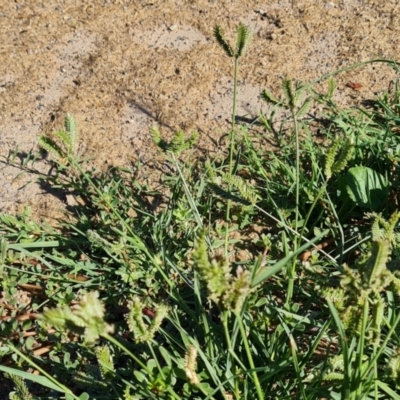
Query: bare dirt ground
point(121, 67)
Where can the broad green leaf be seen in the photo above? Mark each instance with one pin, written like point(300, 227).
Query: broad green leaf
point(30, 341)
point(366, 187)
point(140, 376)
point(167, 357)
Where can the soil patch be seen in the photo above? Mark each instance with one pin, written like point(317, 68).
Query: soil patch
point(121, 67)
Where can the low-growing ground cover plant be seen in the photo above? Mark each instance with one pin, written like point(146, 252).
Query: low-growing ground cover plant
point(268, 273)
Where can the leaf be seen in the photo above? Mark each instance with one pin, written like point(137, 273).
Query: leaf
point(30, 341)
point(390, 392)
point(366, 187)
point(167, 357)
point(41, 380)
point(140, 376)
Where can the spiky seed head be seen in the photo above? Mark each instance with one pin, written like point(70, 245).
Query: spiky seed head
point(237, 291)
point(269, 98)
point(394, 365)
point(346, 154)
point(193, 139)
point(288, 91)
point(220, 38)
point(330, 159)
point(161, 313)
point(21, 390)
point(72, 130)
point(142, 331)
point(51, 146)
point(177, 144)
point(135, 320)
point(331, 88)
point(155, 135)
point(244, 36)
point(105, 360)
point(305, 107)
point(70, 124)
point(86, 317)
point(190, 365)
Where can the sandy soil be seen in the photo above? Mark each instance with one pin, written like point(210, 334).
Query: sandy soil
point(121, 67)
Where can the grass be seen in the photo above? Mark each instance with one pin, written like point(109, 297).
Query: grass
point(272, 274)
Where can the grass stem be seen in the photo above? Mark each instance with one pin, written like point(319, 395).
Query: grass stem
point(231, 152)
point(249, 356)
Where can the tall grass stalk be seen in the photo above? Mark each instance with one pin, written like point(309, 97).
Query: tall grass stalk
point(291, 270)
point(254, 375)
point(242, 42)
point(292, 97)
point(231, 152)
point(244, 36)
point(230, 362)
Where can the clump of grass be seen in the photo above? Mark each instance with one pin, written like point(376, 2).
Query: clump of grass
point(135, 301)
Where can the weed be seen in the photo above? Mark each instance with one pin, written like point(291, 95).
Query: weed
point(141, 294)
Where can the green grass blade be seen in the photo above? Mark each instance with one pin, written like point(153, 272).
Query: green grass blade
point(266, 273)
point(41, 380)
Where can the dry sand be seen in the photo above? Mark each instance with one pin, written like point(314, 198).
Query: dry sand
point(121, 67)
